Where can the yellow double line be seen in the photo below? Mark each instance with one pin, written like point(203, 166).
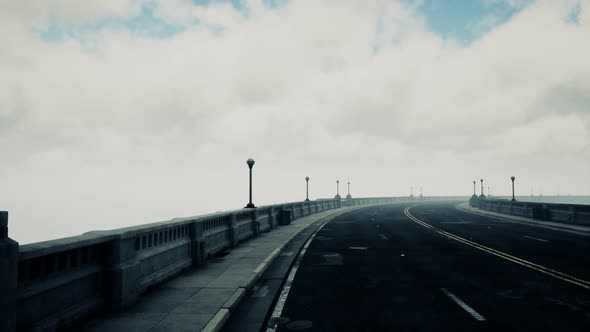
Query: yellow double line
point(519, 261)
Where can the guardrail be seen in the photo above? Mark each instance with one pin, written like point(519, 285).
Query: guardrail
point(563, 213)
point(53, 284)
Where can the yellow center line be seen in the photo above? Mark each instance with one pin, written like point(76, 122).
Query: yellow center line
point(514, 259)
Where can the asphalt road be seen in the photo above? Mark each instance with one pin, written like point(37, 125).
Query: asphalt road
point(431, 267)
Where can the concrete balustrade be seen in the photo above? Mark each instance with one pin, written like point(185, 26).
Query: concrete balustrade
point(562, 213)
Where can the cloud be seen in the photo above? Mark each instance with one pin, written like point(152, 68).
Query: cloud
point(120, 127)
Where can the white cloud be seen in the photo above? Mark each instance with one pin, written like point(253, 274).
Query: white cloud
point(67, 12)
point(139, 129)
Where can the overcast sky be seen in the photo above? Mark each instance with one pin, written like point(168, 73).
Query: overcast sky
point(122, 112)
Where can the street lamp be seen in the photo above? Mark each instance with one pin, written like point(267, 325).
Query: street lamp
point(250, 163)
point(348, 197)
point(513, 178)
point(474, 194)
point(482, 195)
point(337, 197)
point(307, 188)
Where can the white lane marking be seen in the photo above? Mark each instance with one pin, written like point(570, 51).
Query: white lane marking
point(383, 237)
point(358, 248)
point(535, 238)
point(278, 310)
point(463, 305)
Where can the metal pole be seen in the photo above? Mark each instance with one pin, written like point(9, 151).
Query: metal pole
point(250, 186)
point(513, 198)
point(481, 187)
point(250, 163)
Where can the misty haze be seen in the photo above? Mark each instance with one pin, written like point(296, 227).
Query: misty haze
point(282, 165)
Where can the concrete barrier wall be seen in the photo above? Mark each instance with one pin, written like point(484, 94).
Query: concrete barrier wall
point(60, 282)
point(562, 213)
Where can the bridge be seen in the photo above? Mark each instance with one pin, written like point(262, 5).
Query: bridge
point(342, 264)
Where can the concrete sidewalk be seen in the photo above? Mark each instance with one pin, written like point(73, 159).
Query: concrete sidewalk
point(203, 298)
point(575, 229)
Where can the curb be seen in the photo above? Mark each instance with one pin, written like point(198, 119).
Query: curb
point(522, 220)
point(235, 299)
point(222, 315)
point(217, 321)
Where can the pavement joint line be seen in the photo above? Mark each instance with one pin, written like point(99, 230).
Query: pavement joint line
point(158, 322)
point(540, 268)
point(463, 305)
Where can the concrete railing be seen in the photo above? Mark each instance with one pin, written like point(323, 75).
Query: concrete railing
point(563, 213)
point(54, 284)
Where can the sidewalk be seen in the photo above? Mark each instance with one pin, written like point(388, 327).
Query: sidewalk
point(203, 298)
point(575, 229)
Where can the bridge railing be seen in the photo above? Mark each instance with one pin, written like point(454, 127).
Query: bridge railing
point(53, 284)
point(562, 213)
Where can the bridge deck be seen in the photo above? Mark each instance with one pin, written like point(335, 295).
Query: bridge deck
point(202, 296)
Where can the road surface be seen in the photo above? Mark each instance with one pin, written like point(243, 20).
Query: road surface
point(427, 267)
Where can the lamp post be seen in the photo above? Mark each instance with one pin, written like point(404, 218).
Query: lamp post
point(348, 197)
point(482, 195)
point(474, 194)
point(250, 163)
point(307, 188)
point(337, 197)
point(513, 178)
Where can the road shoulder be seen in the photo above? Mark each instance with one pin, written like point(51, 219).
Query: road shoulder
point(568, 228)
